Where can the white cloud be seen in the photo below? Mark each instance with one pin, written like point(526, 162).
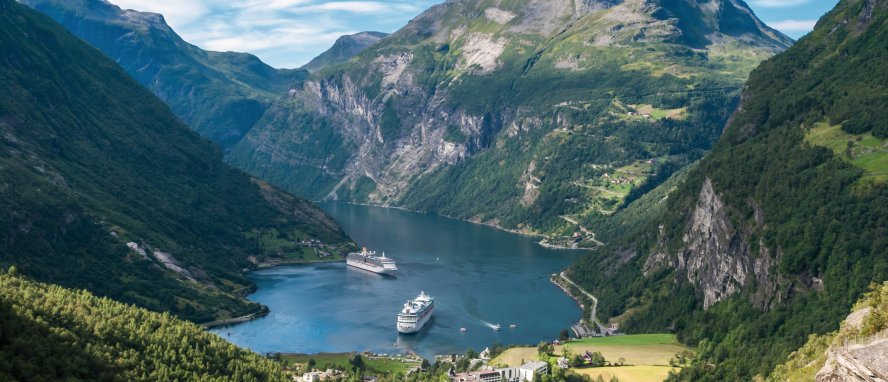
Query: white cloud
point(176, 12)
point(778, 3)
point(345, 6)
point(789, 26)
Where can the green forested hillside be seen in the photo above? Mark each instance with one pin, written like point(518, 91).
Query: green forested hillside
point(220, 95)
point(523, 114)
point(49, 333)
point(101, 186)
point(777, 232)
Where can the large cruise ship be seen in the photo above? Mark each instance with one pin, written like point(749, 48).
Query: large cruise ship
point(416, 313)
point(368, 261)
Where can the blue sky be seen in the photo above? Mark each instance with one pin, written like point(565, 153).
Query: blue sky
point(289, 33)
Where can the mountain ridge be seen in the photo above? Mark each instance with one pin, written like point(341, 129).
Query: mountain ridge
point(104, 188)
point(780, 228)
point(455, 92)
point(344, 49)
point(219, 94)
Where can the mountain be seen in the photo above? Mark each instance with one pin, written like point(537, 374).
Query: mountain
point(344, 49)
point(49, 333)
point(782, 227)
point(527, 114)
point(219, 94)
point(103, 188)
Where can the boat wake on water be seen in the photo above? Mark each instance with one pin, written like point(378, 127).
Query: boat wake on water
point(496, 327)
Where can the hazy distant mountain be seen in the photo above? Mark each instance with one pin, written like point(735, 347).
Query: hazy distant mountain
point(780, 229)
point(103, 188)
point(221, 95)
point(517, 114)
point(344, 49)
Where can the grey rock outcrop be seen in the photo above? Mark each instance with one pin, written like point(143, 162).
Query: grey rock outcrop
point(717, 258)
point(864, 360)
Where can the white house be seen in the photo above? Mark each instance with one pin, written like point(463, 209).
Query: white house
point(527, 371)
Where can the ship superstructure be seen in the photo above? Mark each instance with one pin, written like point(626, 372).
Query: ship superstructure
point(416, 313)
point(368, 261)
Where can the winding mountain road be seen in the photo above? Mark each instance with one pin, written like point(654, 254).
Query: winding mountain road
point(601, 327)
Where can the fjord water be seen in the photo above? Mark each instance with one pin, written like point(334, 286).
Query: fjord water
point(478, 275)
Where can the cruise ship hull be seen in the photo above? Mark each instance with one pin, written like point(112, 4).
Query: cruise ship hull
point(370, 267)
point(411, 328)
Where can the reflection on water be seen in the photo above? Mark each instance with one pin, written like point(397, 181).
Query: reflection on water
point(479, 276)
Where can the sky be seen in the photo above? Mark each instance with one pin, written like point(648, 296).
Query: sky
point(289, 33)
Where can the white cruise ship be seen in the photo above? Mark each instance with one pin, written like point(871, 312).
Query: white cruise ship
point(416, 313)
point(368, 261)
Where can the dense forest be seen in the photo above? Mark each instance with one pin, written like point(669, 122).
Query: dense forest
point(102, 187)
point(49, 333)
point(818, 214)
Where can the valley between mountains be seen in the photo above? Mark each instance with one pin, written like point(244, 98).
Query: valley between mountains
point(729, 186)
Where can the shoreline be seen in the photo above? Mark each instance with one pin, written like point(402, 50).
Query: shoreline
point(283, 263)
point(554, 280)
point(491, 225)
point(561, 247)
point(264, 311)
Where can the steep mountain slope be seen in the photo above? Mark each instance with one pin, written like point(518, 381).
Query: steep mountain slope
point(101, 186)
point(776, 233)
point(219, 94)
point(49, 333)
point(344, 49)
point(515, 113)
point(858, 351)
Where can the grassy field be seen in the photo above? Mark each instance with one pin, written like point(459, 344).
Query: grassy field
point(515, 356)
point(340, 361)
point(641, 112)
point(862, 150)
point(638, 349)
point(628, 373)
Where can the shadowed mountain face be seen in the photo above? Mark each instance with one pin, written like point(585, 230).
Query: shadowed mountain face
point(103, 188)
point(780, 229)
point(517, 114)
point(344, 49)
point(221, 95)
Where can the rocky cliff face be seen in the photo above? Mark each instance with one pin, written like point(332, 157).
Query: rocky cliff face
point(344, 49)
point(857, 351)
point(717, 259)
point(774, 234)
point(486, 90)
point(865, 362)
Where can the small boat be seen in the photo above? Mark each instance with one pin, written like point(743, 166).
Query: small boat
point(463, 329)
point(497, 327)
point(513, 326)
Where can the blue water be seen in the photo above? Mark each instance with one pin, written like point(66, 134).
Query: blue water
point(477, 274)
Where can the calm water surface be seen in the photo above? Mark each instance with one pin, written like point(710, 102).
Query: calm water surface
point(477, 274)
